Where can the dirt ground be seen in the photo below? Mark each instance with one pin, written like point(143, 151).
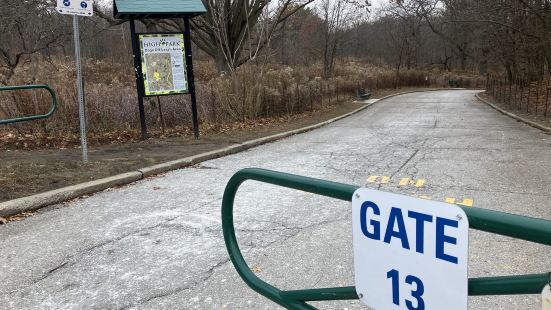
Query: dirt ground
point(24, 172)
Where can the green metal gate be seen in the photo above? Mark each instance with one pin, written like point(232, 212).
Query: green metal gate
point(520, 227)
point(53, 106)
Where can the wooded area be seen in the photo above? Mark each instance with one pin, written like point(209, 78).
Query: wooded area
point(257, 58)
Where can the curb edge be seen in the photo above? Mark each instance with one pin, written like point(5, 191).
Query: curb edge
point(545, 129)
point(44, 199)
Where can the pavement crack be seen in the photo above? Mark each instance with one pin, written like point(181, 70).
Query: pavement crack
point(57, 268)
point(406, 162)
point(158, 295)
point(53, 271)
point(401, 167)
point(73, 259)
point(293, 232)
point(206, 276)
point(134, 232)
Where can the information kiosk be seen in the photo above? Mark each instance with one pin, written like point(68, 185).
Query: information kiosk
point(162, 61)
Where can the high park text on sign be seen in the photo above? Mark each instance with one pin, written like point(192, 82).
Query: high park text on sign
point(163, 64)
point(409, 253)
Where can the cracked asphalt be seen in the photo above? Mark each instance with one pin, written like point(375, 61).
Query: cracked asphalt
point(157, 243)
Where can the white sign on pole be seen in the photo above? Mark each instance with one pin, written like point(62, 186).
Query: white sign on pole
point(409, 253)
point(75, 7)
point(546, 297)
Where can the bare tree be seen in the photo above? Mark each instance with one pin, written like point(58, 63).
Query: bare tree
point(337, 16)
point(232, 32)
point(29, 28)
point(406, 15)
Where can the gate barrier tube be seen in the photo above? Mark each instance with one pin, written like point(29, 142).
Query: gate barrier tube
point(32, 117)
point(516, 226)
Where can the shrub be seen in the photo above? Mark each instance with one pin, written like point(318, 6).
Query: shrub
point(251, 92)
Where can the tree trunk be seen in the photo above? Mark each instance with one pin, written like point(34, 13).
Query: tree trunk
point(222, 65)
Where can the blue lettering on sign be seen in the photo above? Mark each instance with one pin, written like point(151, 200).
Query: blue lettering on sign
point(442, 238)
point(396, 228)
point(417, 294)
point(376, 234)
point(396, 217)
point(83, 5)
point(66, 2)
point(394, 275)
point(420, 219)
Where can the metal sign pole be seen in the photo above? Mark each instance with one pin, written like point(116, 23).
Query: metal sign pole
point(81, 108)
point(139, 77)
point(191, 83)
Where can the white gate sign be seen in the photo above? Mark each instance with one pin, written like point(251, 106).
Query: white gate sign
point(546, 297)
point(75, 7)
point(409, 253)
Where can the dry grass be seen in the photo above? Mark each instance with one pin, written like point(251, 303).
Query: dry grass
point(252, 92)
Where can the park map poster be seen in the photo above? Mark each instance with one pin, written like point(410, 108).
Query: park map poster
point(163, 64)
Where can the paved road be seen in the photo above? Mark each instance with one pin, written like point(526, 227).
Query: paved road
point(157, 244)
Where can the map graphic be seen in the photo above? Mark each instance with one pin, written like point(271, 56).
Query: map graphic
point(159, 71)
point(163, 64)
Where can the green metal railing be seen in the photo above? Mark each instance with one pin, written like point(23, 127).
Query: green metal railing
point(31, 117)
point(521, 227)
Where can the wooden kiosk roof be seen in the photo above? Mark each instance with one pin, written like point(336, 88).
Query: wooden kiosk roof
point(137, 9)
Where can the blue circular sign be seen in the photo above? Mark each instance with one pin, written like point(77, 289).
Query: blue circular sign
point(83, 5)
point(66, 2)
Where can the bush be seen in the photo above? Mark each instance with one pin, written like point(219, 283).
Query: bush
point(251, 92)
